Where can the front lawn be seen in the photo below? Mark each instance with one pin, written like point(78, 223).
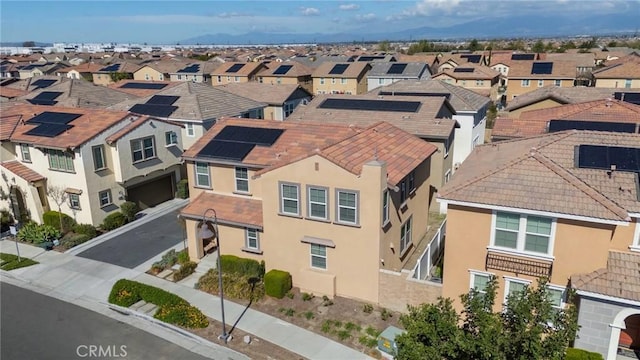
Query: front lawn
point(10, 262)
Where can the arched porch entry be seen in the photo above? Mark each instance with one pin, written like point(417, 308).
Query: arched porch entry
point(625, 335)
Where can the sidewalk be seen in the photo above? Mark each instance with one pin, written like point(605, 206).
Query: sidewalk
point(84, 281)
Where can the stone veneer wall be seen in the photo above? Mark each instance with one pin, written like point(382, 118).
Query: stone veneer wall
point(397, 289)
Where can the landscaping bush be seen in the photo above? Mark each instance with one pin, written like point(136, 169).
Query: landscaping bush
point(183, 189)
point(129, 209)
point(242, 266)
point(169, 259)
point(6, 220)
point(235, 286)
point(277, 283)
point(182, 315)
point(52, 218)
point(579, 354)
point(113, 221)
point(183, 257)
point(74, 240)
point(85, 229)
point(185, 270)
point(37, 234)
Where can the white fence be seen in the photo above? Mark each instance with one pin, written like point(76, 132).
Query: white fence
point(431, 255)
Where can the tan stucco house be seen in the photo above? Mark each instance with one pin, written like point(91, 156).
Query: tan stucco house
point(525, 76)
point(281, 99)
point(289, 72)
point(341, 78)
point(620, 73)
point(480, 79)
point(123, 70)
point(236, 72)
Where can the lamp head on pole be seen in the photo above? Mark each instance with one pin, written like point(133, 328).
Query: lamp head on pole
point(207, 229)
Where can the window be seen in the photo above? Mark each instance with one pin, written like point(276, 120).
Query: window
point(540, 83)
point(447, 176)
point(405, 235)
point(380, 81)
point(289, 199)
point(190, 130)
point(98, 157)
point(179, 77)
point(160, 77)
point(525, 83)
point(636, 237)
point(171, 138)
point(260, 79)
point(318, 256)
point(407, 186)
point(322, 81)
point(242, 179)
point(146, 76)
point(385, 207)
point(523, 233)
point(236, 78)
point(202, 175)
point(343, 81)
point(317, 203)
point(288, 109)
point(279, 80)
point(24, 150)
point(479, 82)
point(333, 80)
point(557, 82)
point(446, 148)
point(60, 160)
point(143, 149)
point(251, 239)
point(219, 79)
point(105, 198)
point(74, 201)
point(347, 207)
point(627, 83)
point(479, 282)
point(514, 286)
point(557, 296)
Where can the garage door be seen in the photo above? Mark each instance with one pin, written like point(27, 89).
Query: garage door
point(151, 193)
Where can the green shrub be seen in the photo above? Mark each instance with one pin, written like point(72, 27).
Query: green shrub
point(113, 221)
point(290, 295)
point(182, 315)
point(85, 229)
point(74, 240)
point(326, 326)
point(344, 335)
point(368, 341)
point(289, 312)
point(277, 283)
point(6, 219)
point(183, 189)
point(169, 259)
point(309, 315)
point(37, 234)
point(385, 314)
point(367, 308)
point(183, 257)
point(579, 354)
point(52, 218)
point(185, 270)
point(235, 286)
point(326, 301)
point(351, 326)
point(307, 296)
point(371, 331)
point(129, 209)
point(242, 266)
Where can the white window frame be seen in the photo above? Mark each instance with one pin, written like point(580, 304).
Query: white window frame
point(635, 245)
point(170, 138)
point(179, 77)
point(203, 174)
point(281, 186)
point(63, 161)
point(507, 284)
point(102, 158)
point(521, 236)
point(310, 202)
point(191, 131)
point(108, 198)
point(540, 82)
point(627, 83)
point(321, 81)
point(143, 149)
point(563, 298)
point(386, 199)
point(343, 81)
point(252, 234)
point(26, 154)
point(355, 208)
point(241, 180)
point(479, 82)
point(406, 231)
point(525, 83)
point(74, 201)
point(318, 256)
point(333, 80)
point(447, 176)
point(472, 283)
point(557, 82)
point(236, 79)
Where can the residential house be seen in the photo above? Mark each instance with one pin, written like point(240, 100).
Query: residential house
point(310, 198)
point(480, 79)
point(114, 72)
point(139, 88)
point(289, 72)
point(605, 115)
point(82, 71)
point(552, 206)
point(621, 73)
point(199, 72)
point(453, 60)
point(585, 64)
point(341, 78)
point(385, 73)
point(236, 72)
point(101, 158)
point(374, 58)
point(159, 70)
point(552, 96)
point(76, 93)
point(281, 99)
point(525, 76)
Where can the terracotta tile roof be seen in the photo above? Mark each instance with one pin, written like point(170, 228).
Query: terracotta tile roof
point(424, 58)
point(88, 125)
point(353, 71)
point(167, 66)
point(230, 209)
point(272, 94)
point(298, 69)
point(560, 70)
point(82, 93)
point(248, 69)
point(535, 122)
point(539, 173)
point(22, 171)
point(125, 67)
point(621, 277)
point(624, 70)
point(479, 73)
point(564, 95)
point(10, 93)
point(135, 123)
point(89, 67)
point(460, 98)
point(8, 124)
point(141, 92)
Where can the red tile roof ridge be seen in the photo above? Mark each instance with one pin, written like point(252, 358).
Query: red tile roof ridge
point(22, 171)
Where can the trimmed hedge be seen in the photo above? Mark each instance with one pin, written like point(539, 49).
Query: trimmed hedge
point(85, 229)
point(579, 354)
point(242, 266)
point(52, 218)
point(113, 221)
point(129, 209)
point(74, 240)
point(183, 189)
point(277, 283)
point(185, 270)
point(235, 286)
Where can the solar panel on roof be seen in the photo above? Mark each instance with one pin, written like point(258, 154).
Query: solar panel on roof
point(235, 68)
point(153, 110)
point(48, 129)
point(226, 150)
point(472, 58)
point(43, 83)
point(410, 93)
point(282, 69)
point(370, 105)
point(194, 68)
point(370, 58)
point(49, 117)
point(561, 125)
point(338, 69)
point(251, 135)
point(9, 81)
point(604, 157)
point(463, 70)
point(112, 67)
point(45, 98)
point(523, 56)
point(542, 68)
point(162, 100)
point(625, 158)
point(630, 97)
point(147, 86)
point(396, 68)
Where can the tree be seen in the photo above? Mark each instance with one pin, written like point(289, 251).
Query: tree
point(538, 47)
point(59, 196)
point(28, 44)
point(384, 46)
point(473, 45)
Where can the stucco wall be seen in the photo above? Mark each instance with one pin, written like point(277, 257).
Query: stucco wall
point(544, 104)
point(351, 85)
point(515, 88)
point(148, 74)
point(617, 83)
point(398, 289)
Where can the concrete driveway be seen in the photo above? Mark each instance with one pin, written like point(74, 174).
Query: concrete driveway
point(139, 244)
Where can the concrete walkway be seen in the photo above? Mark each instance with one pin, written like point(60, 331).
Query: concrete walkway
point(88, 282)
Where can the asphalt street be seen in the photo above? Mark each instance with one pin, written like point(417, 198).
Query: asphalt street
point(140, 244)
point(35, 326)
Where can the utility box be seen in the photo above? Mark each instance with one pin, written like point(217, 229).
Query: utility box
point(386, 340)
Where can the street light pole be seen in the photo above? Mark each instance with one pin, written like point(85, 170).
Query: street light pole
point(208, 229)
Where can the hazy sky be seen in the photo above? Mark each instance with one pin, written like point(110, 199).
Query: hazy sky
point(158, 21)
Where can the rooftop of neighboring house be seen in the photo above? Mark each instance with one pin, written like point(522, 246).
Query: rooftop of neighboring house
point(22, 171)
point(119, 67)
point(164, 66)
point(542, 70)
point(625, 67)
point(89, 67)
point(76, 93)
point(286, 69)
point(462, 59)
point(460, 98)
point(376, 57)
point(59, 127)
point(398, 69)
point(562, 173)
point(341, 69)
point(347, 146)
point(11, 93)
point(190, 101)
point(272, 94)
point(315, 60)
point(35, 83)
point(469, 71)
point(237, 69)
point(620, 278)
point(8, 124)
point(418, 115)
point(536, 122)
point(563, 95)
point(141, 88)
point(582, 60)
point(196, 68)
point(427, 58)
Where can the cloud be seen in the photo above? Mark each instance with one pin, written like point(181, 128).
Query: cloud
point(366, 17)
point(349, 7)
point(309, 11)
point(426, 8)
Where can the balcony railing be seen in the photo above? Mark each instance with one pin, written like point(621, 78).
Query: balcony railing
point(431, 255)
point(517, 265)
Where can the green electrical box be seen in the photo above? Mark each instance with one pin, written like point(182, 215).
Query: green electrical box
point(386, 340)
